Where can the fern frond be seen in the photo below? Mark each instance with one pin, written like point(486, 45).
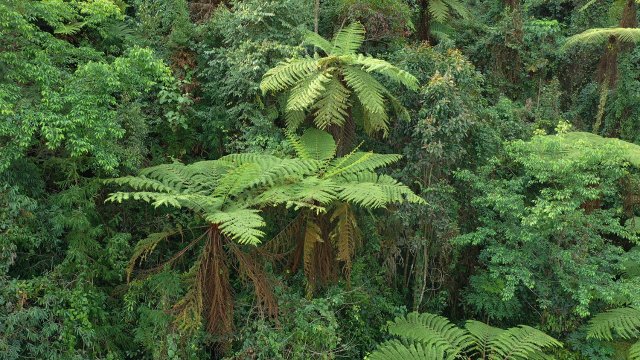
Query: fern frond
point(240, 225)
point(439, 10)
point(314, 144)
point(393, 73)
point(634, 351)
point(396, 350)
point(348, 39)
point(600, 35)
point(625, 322)
point(431, 330)
point(482, 335)
point(288, 73)
point(145, 247)
point(367, 88)
point(459, 8)
point(307, 91)
point(294, 119)
point(345, 235)
point(522, 342)
point(142, 183)
point(69, 29)
point(331, 108)
point(318, 41)
point(360, 161)
point(312, 235)
point(370, 190)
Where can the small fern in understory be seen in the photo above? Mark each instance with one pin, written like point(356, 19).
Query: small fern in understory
point(329, 87)
point(428, 336)
point(623, 322)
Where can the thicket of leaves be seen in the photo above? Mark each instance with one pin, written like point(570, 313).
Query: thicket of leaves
point(291, 230)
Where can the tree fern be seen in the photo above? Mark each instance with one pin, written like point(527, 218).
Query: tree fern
point(601, 35)
point(323, 86)
point(476, 341)
point(623, 322)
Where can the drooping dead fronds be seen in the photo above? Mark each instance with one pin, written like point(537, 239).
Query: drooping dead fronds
point(251, 268)
point(213, 280)
point(312, 237)
point(345, 236)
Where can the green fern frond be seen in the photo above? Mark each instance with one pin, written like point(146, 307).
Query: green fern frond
point(367, 88)
point(241, 225)
point(459, 8)
point(634, 351)
point(431, 330)
point(483, 335)
point(371, 64)
point(625, 322)
point(318, 41)
point(439, 10)
point(288, 73)
point(142, 183)
point(294, 119)
point(600, 35)
point(307, 91)
point(370, 190)
point(522, 342)
point(314, 144)
point(69, 29)
point(348, 39)
point(331, 108)
point(145, 247)
point(396, 350)
point(360, 161)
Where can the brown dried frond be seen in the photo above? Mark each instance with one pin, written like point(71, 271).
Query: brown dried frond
point(346, 236)
point(202, 10)
point(250, 267)
point(312, 237)
point(285, 241)
point(213, 280)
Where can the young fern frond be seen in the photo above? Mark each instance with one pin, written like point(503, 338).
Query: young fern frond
point(439, 10)
point(314, 145)
point(348, 39)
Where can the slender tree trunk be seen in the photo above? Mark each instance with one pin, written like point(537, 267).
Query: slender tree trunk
point(316, 15)
point(607, 74)
point(424, 26)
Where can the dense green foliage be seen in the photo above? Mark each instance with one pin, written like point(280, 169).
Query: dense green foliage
point(316, 169)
